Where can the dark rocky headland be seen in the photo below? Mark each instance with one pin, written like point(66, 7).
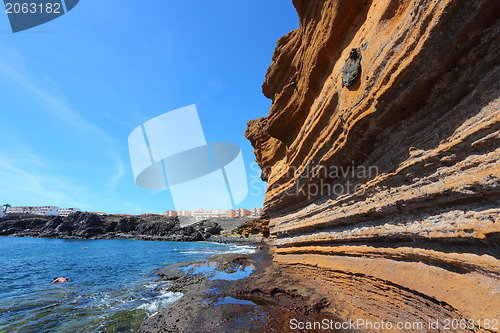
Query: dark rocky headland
point(87, 225)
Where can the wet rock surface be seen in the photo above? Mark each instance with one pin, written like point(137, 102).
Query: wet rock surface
point(265, 301)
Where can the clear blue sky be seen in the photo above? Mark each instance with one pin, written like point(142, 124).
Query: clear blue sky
point(74, 88)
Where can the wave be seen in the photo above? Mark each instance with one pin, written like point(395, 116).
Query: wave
point(240, 249)
point(159, 302)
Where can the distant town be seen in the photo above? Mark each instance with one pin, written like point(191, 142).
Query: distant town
point(210, 213)
point(197, 213)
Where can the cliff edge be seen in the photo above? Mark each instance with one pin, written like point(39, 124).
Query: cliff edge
point(382, 155)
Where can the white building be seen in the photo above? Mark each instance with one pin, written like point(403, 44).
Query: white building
point(66, 211)
point(34, 210)
point(223, 213)
point(103, 213)
point(15, 210)
point(203, 214)
point(2, 212)
point(184, 213)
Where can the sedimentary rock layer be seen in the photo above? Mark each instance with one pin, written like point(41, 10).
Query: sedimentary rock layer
point(387, 187)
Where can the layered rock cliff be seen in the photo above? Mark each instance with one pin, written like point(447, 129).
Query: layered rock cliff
point(382, 155)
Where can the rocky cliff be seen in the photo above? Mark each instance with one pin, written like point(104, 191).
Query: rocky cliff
point(382, 155)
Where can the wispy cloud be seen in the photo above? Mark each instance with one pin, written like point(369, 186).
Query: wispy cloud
point(114, 180)
point(28, 179)
point(216, 84)
point(56, 105)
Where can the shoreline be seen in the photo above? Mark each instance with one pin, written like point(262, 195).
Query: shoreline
point(264, 301)
point(219, 240)
point(129, 303)
point(91, 226)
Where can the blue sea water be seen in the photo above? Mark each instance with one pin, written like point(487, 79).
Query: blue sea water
point(112, 287)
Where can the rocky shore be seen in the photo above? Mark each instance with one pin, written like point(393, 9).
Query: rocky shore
point(381, 151)
point(87, 225)
point(220, 295)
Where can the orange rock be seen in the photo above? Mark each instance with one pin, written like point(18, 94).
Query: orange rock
point(392, 183)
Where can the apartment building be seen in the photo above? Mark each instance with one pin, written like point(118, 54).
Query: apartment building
point(45, 210)
point(184, 213)
point(241, 212)
point(201, 214)
point(34, 210)
point(64, 212)
point(256, 212)
point(170, 213)
point(223, 213)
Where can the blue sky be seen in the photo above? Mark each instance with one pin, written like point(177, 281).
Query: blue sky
point(74, 88)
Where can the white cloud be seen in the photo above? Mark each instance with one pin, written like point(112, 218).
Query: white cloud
point(58, 107)
point(216, 84)
point(114, 180)
point(26, 179)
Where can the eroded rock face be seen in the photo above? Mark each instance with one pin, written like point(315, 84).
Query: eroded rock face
point(387, 190)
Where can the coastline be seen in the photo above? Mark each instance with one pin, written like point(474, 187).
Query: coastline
point(112, 284)
point(261, 299)
point(91, 226)
point(264, 301)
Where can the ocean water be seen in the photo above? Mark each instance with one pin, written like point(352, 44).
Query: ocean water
point(112, 287)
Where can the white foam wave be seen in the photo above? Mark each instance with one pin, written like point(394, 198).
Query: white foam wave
point(165, 298)
point(240, 249)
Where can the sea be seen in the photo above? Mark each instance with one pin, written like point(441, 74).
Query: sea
point(112, 286)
